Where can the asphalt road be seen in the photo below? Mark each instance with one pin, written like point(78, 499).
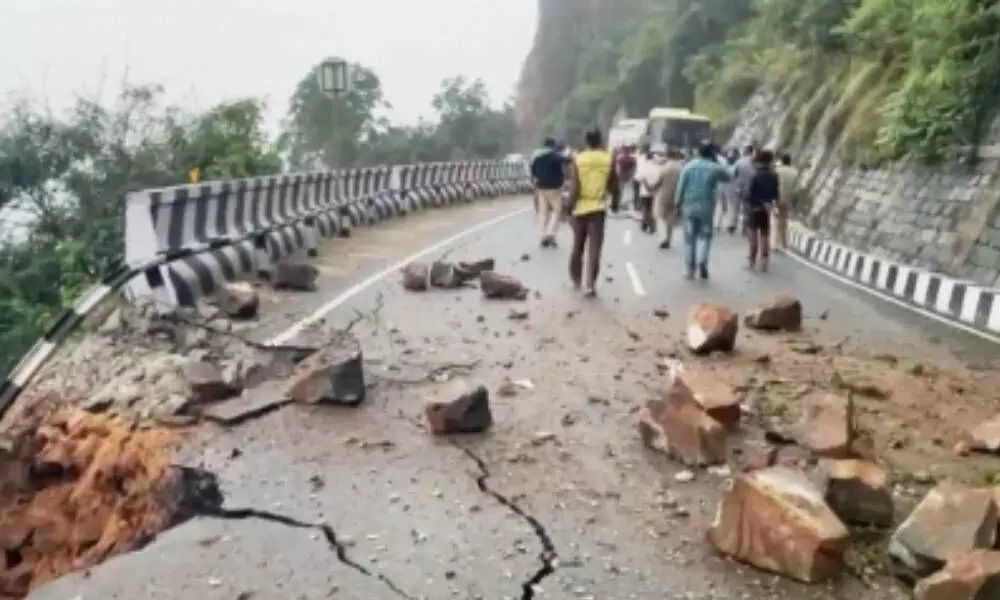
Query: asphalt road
point(407, 507)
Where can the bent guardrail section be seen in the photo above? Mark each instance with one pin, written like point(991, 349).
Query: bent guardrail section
point(182, 242)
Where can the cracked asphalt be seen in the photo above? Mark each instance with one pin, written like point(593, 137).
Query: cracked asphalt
point(560, 481)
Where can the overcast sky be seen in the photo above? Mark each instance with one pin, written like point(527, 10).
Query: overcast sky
point(204, 51)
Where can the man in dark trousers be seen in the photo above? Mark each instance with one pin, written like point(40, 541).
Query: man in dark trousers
point(547, 173)
point(762, 194)
point(594, 180)
point(627, 166)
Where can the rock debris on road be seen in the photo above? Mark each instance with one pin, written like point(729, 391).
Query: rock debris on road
point(721, 440)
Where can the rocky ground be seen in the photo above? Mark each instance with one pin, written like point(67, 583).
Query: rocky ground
point(539, 398)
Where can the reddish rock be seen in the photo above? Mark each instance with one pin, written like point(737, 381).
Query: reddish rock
point(776, 520)
point(415, 277)
point(828, 429)
point(780, 313)
point(685, 431)
point(758, 455)
point(859, 492)
point(984, 437)
point(950, 521)
point(714, 396)
point(711, 328)
point(501, 287)
point(972, 576)
point(469, 413)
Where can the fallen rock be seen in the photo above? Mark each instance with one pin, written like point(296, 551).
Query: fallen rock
point(469, 413)
point(828, 429)
point(501, 287)
point(859, 492)
point(292, 275)
point(780, 313)
point(950, 521)
point(335, 374)
point(684, 432)
point(972, 576)
point(714, 396)
point(758, 455)
point(774, 519)
point(238, 300)
point(472, 270)
point(711, 328)
point(445, 275)
point(984, 437)
point(416, 277)
point(205, 383)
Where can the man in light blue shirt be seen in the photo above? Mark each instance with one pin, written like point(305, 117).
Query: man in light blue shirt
point(696, 193)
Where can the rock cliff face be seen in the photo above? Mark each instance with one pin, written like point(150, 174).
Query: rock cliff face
point(945, 218)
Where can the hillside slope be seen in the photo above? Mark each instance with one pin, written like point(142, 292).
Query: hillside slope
point(888, 105)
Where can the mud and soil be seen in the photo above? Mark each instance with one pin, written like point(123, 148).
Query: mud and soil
point(80, 488)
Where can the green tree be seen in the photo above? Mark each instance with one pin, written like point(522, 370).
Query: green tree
point(64, 176)
point(468, 126)
point(332, 130)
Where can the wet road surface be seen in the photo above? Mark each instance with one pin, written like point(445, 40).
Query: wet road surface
point(406, 507)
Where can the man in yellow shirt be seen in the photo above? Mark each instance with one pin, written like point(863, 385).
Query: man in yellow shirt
point(594, 180)
point(788, 181)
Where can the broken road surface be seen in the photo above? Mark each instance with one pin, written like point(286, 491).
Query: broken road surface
point(558, 498)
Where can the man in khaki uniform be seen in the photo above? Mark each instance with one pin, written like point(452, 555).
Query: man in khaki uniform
point(788, 181)
point(665, 201)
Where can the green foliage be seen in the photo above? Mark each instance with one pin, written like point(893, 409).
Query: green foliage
point(66, 174)
point(347, 131)
point(888, 78)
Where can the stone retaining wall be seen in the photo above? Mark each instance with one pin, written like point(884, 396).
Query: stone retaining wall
point(944, 219)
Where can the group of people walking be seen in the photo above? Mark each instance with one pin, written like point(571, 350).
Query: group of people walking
point(708, 193)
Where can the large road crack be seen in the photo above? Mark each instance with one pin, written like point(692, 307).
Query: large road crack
point(548, 557)
point(203, 498)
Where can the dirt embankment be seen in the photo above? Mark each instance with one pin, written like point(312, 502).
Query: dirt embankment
point(80, 488)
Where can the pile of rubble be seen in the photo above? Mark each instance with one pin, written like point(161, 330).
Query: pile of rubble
point(796, 519)
point(129, 360)
point(79, 488)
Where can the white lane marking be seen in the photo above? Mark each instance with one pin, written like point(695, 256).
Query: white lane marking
point(361, 286)
point(633, 276)
point(989, 337)
point(628, 237)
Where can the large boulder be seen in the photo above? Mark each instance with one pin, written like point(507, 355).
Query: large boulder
point(206, 383)
point(501, 287)
point(828, 427)
point(776, 520)
point(469, 413)
point(294, 275)
point(711, 328)
point(972, 576)
point(859, 492)
point(714, 396)
point(950, 521)
point(238, 300)
point(780, 313)
point(416, 277)
point(334, 374)
point(983, 437)
point(683, 431)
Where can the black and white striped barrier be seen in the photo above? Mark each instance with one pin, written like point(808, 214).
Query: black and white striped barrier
point(963, 301)
point(246, 225)
point(193, 237)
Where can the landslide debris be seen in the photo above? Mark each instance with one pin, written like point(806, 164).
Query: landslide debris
point(79, 488)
